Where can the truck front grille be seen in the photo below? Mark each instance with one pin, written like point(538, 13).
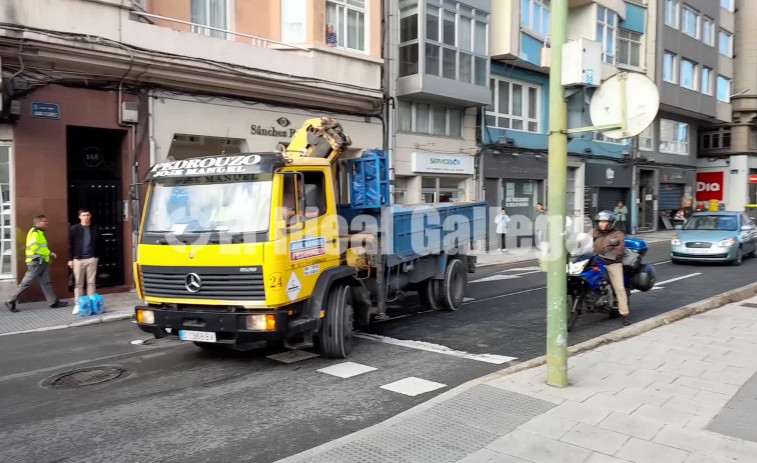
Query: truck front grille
point(225, 283)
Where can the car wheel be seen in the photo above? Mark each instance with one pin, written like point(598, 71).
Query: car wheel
point(739, 257)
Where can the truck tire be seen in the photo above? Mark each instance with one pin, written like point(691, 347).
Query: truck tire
point(335, 337)
point(453, 285)
point(428, 293)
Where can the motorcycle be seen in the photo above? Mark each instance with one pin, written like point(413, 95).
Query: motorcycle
point(589, 289)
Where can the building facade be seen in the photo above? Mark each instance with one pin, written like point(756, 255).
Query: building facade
point(90, 101)
point(440, 80)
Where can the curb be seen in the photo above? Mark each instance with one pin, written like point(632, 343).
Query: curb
point(714, 302)
point(113, 317)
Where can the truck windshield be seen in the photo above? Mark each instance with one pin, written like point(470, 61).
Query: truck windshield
point(196, 205)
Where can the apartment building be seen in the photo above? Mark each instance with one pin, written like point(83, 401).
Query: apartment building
point(95, 91)
point(439, 67)
point(694, 69)
point(728, 152)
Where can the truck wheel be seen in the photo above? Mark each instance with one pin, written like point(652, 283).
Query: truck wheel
point(453, 286)
point(428, 293)
point(335, 338)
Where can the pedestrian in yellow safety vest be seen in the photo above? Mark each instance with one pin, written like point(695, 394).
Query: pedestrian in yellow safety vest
point(38, 265)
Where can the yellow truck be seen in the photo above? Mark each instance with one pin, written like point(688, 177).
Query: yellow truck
point(299, 247)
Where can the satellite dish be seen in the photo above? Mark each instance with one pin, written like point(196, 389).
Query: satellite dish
point(642, 103)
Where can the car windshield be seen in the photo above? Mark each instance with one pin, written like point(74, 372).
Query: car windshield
point(200, 205)
point(711, 222)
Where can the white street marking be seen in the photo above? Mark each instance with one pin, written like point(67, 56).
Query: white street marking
point(291, 356)
point(522, 269)
point(413, 386)
point(659, 284)
point(495, 278)
point(468, 299)
point(347, 369)
point(663, 262)
point(511, 294)
point(437, 348)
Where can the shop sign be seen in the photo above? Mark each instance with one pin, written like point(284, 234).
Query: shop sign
point(273, 131)
point(46, 110)
point(710, 186)
point(441, 163)
point(517, 202)
point(604, 175)
point(753, 178)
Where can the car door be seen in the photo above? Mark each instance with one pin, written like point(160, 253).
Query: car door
point(750, 235)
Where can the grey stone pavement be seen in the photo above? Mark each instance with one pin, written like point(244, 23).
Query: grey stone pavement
point(684, 392)
point(39, 316)
point(513, 255)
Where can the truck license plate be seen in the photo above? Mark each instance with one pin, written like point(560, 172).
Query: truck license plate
point(202, 336)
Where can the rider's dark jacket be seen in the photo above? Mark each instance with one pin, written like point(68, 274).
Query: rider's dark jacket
point(602, 246)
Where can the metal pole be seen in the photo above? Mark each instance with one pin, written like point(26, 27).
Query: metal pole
point(557, 330)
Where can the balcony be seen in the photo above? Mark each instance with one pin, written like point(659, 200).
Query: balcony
point(107, 38)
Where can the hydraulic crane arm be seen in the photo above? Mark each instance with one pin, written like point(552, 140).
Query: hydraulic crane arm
point(321, 138)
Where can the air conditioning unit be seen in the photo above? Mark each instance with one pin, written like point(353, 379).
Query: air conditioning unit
point(130, 112)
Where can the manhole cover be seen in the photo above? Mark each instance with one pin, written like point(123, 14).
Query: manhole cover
point(83, 377)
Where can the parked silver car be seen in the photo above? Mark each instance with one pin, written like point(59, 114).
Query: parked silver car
point(714, 237)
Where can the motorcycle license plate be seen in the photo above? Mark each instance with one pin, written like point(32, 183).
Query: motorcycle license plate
point(202, 336)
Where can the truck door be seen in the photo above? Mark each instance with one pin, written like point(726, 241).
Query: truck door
point(311, 236)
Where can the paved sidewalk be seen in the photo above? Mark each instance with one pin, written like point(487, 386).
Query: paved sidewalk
point(497, 257)
point(684, 392)
point(38, 316)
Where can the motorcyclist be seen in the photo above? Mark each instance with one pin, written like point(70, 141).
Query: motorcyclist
point(604, 236)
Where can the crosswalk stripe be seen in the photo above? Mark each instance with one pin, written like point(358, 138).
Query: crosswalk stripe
point(413, 386)
point(347, 369)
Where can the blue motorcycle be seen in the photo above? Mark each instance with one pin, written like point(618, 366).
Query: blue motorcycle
point(589, 289)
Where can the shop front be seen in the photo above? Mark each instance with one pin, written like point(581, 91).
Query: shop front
point(437, 178)
point(676, 195)
point(74, 148)
point(185, 127)
point(606, 184)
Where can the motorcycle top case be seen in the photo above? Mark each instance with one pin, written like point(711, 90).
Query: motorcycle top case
point(645, 278)
point(637, 245)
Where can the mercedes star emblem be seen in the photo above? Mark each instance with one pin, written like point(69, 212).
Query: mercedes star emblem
point(193, 282)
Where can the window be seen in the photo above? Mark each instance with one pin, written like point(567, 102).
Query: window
point(646, 139)
point(599, 136)
point(674, 137)
point(715, 138)
point(629, 48)
point(429, 119)
point(293, 14)
point(706, 80)
point(607, 22)
point(515, 106)
point(457, 42)
point(724, 89)
point(727, 4)
point(315, 194)
point(708, 31)
point(534, 16)
point(671, 13)
point(690, 22)
point(408, 47)
point(669, 68)
point(725, 45)
point(348, 19)
point(688, 74)
point(211, 13)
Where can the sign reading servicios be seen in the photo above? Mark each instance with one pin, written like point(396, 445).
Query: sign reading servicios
point(242, 164)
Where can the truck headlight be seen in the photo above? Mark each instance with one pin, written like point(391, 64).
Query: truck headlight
point(146, 316)
point(675, 241)
point(727, 243)
point(260, 322)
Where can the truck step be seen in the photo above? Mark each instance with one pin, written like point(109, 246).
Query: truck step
point(306, 343)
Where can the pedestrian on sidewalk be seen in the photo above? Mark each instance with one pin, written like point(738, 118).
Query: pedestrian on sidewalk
point(540, 225)
point(502, 219)
point(82, 254)
point(612, 256)
point(621, 213)
point(38, 256)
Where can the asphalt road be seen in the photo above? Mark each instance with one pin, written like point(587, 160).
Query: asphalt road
point(176, 403)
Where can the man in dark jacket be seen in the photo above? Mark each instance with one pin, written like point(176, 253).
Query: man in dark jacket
point(82, 252)
point(612, 255)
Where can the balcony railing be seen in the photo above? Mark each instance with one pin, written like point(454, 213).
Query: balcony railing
point(256, 41)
